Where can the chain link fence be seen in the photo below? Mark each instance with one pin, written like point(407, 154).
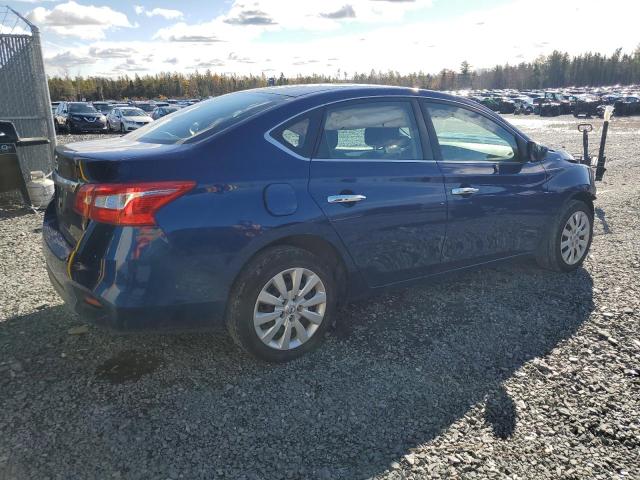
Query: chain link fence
point(24, 92)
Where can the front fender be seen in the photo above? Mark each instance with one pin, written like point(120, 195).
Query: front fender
point(568, 179)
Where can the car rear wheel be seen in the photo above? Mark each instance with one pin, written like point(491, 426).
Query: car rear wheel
point(282, 304)
point(568, 242)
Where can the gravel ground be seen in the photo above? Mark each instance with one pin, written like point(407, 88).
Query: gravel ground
point(508, 372)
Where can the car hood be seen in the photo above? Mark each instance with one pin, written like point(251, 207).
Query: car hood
point(146, 119)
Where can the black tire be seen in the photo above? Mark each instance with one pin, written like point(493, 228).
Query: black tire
point(256, 275)
point(70, 128)
point(109, 129)
point(122, 130)
point(549, 254)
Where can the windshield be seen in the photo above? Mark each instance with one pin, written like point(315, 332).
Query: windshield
point(209, 116)
point(81, 108)
point(147, 107)
point(132, 112)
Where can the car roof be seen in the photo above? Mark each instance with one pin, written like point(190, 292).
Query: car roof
point(349, 90)
point(325, 93)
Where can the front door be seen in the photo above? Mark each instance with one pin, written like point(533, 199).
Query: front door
point(496, 198)
point(385, 201)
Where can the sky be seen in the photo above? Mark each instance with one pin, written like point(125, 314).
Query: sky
point(334, 37)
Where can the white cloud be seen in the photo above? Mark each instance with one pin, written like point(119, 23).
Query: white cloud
point(83, 21)
point(241, 40)
point(244, 21)
point(66, 60)
point(166, 13)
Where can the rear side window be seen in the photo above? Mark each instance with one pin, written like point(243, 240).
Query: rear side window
point(209, 116)
point(465, 135)
point(370, 131)
point(294, 135)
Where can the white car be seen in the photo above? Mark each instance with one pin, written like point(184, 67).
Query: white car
point(126, 119)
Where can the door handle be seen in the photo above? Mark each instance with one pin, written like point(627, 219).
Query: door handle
point(345, 198)
point(464, 191)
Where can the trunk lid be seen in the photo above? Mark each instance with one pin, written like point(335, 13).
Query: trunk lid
point(111, 160)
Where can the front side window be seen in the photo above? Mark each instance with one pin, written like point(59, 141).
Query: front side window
point(370, 131)
point(211, 116)
point(464, 135)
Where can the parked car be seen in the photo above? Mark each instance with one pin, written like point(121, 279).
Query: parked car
point(103, 107)
point(126, 119)
point(491, 103)
point(546, 107)
point(559, 98)
point(506, 105)
point(270, 207)
point(627, 105)
point(585, 105)
point(523, 105)
point(73, 117)
point(162, 111)
point(147, 107)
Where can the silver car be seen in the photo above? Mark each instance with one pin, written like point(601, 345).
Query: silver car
point(126, 119)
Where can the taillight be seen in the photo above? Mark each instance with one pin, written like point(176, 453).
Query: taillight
point(127, 203)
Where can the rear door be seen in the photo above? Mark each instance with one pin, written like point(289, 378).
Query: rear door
point(371, 179)
point(497, 206)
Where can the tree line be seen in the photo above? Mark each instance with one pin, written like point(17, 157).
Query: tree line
point(558, 69)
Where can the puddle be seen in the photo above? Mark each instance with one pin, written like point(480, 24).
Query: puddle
point(128, 366)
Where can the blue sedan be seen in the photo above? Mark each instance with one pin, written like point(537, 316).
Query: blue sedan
point(268, 208)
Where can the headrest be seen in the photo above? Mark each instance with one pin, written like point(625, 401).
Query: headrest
point(380, 136)
point(331, 137)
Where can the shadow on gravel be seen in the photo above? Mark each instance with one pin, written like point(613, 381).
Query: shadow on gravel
point(399, 371)
point(600, 215)
point(11, 210)
point(500, 413)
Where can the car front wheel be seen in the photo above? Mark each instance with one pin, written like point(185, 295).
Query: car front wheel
point(568, 242)
point(282, 304)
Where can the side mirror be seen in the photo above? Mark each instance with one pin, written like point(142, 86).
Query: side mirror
point(536, 152)
point(8, 133)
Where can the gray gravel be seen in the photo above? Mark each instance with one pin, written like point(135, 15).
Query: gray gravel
point(509, 372)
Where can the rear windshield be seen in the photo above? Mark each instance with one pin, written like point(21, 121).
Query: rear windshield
point(209, 116)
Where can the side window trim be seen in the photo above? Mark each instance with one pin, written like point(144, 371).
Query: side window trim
point(312, 133)
point(424, 104)
point(357, 101)
point(428, 150)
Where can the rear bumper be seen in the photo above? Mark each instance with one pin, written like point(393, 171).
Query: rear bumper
point(126, 309)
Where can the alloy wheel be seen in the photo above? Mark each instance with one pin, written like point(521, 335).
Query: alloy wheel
point(575, 237)
point(290, 308)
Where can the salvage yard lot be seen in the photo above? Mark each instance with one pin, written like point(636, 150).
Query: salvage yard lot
point(507, 372)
